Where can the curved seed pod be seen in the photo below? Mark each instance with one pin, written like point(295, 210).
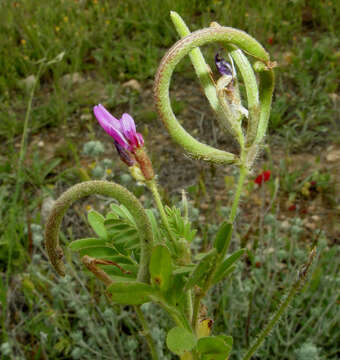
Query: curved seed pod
point(224, 35)
point(248, 76)
point(232, 117)
point(250, 83)
point(267, 81)
point(104, 188)
point(202, 69)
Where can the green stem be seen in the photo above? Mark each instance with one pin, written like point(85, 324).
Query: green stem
point(203, 291)
point(147, 333)
point(302, 276)
point(233, 211)
point(177, 316)
point(104, 188)
point(188, 305)
point(152, 185)
point(197, 302)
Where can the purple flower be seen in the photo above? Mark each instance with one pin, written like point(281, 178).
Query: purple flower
point(124, 155)
point(123, 131)
point(223, 66)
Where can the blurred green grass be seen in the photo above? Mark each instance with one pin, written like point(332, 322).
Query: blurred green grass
point(107, 43)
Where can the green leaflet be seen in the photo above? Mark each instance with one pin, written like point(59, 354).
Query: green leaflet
point(178, 225)
point(183, 269)
point(180, 340)
point(113, 270)
point(160, 267)
point(99, 252)
point(96, 221)
point(201, 269)
point(121, 259)
point(175, 295)
point(223, 275)
point(116, 225)
point(86, 242)
point(223, 269)
point(130, 292)
point(121, 229)
point(227, 339)
point(125, 235)
point(223, 237)
point(215, 347)
point(120, 211)
point(155, 227)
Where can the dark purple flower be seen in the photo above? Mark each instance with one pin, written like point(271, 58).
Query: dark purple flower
point(223, 66)
point(124, 155)
point(123, 131)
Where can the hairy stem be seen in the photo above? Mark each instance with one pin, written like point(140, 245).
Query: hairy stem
point(147, 333)
point(188, 305)
point(195, 312)
point(239, 187)
point(104, 188)
point(152, 185)
point(177, 316)
point(302, 276)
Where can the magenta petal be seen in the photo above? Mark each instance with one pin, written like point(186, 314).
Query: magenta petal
point(104, 114)
point(123, 131)
point(108, 122)
point(140, 139)
point(119, 137)
point(128, 127)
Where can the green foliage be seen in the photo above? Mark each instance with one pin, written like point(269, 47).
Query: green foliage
point(161, 267)
point(227, 266)
point(80, 325)
point(180, 340)
point(100, 252)
point(118, 242)
point(269, 275)
point(131, 293)
point(215, 347)
point(122, 230)
point(199, 274)
point(223, 237)
point(155, 227)
point(79, 244)
point(39, 170)
point(96, 221)
point(180, 226)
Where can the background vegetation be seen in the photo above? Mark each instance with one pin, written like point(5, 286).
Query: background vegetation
point(59, 58)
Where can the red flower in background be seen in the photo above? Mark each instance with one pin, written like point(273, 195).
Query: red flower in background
point(263, 177)
point(292, 207)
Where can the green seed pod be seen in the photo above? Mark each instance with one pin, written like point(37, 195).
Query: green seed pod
point(224, 35)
